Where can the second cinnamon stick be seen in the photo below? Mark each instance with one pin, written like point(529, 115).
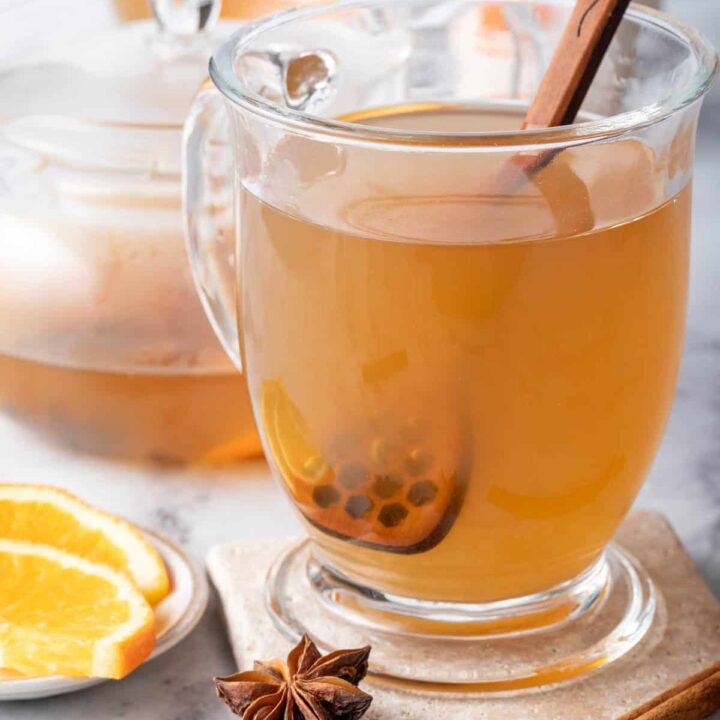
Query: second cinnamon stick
point(695, 698)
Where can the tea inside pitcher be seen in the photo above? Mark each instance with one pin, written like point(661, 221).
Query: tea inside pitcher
point(104, 346)
point(159, 417)
point(463, 392)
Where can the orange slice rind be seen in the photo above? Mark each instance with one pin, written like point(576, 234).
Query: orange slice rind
point(51, 516)
point(63, 615)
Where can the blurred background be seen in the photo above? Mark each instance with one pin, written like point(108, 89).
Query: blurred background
point(690, 450)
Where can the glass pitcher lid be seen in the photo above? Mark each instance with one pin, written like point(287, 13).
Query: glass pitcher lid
point(127, 62)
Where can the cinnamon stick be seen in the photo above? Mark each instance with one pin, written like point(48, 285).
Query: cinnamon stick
point(567, 79)
point(575, 62)
point(694, 698)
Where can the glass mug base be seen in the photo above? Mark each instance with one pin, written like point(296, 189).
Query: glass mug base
point(563, 634)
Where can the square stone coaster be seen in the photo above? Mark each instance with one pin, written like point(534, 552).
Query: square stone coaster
point(688, 641)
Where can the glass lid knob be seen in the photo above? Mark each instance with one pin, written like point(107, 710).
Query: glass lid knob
point(181, 21)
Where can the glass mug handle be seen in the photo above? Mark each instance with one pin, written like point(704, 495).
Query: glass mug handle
point(208, 210)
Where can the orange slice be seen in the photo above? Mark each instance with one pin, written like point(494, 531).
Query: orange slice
point(50, 516)
point(63, 615)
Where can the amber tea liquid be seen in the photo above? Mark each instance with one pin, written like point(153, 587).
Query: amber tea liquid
point(158, 417)
point(463, 391)
point(104, 346)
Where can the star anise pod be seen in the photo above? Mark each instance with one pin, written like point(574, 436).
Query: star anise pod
point(307, 686)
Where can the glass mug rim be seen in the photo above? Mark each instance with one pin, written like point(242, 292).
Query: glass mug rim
point(223, 76)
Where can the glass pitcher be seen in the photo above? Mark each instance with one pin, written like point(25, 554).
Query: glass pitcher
point(103, 343)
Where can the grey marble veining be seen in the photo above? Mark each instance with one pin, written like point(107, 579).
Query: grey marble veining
point(201, 508)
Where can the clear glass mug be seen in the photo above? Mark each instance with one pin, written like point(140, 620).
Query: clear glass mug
point(460, 381)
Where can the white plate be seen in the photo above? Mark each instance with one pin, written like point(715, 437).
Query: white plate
point(175, 617)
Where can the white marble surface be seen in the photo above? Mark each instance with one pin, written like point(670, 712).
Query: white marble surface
point(200, 509)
